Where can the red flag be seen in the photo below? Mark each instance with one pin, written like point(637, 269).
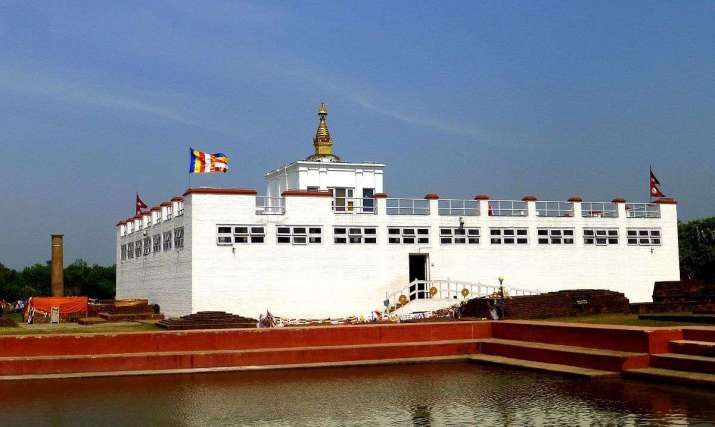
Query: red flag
point(139, 205)
point(655, 186)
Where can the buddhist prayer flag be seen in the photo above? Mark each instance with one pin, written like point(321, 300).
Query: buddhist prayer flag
point(655, 186)
point(139, 205)
point(202, 162)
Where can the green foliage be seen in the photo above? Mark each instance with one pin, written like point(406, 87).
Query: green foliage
point(80, 278)
point(697, 249)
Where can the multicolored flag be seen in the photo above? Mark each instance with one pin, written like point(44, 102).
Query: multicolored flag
point(139, 205)
point(202, 162)
point(655, 186)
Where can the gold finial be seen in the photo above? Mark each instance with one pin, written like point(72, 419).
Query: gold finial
point(322, 142)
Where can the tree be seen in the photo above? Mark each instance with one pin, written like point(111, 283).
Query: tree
point(697, 249)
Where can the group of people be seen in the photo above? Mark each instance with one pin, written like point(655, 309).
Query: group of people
point(12, 307)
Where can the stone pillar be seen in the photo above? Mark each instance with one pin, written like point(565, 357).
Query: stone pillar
point(57, 269)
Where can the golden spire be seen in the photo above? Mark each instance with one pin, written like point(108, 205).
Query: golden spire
point(322, 142)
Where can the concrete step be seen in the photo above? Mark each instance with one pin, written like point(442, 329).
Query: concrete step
point(699, 333)
point(683, 362)
point(606, 360)
point(161, 361)
point(611, 337)
point(541, 366)
point(669, 376)
point(692, 347)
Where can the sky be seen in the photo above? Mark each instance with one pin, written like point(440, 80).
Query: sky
point(101, 99)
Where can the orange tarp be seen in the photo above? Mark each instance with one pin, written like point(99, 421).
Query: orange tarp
point(67, 305)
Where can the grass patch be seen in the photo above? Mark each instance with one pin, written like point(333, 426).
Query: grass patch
point(627, 319)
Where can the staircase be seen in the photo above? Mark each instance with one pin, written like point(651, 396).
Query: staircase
point(690, 360)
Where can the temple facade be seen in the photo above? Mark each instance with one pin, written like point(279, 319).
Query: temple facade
point(327, 241)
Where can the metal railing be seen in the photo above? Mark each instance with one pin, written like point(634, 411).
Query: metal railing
point(452, 290)
point(554, 209)
point(354, 205)
point(458, 207)
point(642, 210)
point(407, 207)
point(599, 210)
point(507, 208)
point(270, 205)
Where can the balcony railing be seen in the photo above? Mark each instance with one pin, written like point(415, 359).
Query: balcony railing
point(599, 210)
point(507, 208)
point(642, 210)
point(354, 205)
point(457, 207)
point(270, 205)
point(407, 207)
point(554, 209)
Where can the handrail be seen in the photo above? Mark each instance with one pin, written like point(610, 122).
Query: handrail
point(554, 209)
point(599, 210)
point(458, 207)
point(396, 206)
point(507, 208)
point(354, 205)
point(642, 210)
point(451, 290)
point(270, 205)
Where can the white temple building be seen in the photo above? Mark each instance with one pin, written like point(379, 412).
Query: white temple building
point(327, 241)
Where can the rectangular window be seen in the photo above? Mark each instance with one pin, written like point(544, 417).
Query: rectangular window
point(299, 235)
point(180, 209)
point(312, 188)
point(147, 245)
point(354, 235)
point(130, 250)
point(368, 202)
point(555, 236)
point(157, 243)
point(509, 236)
point(169, 212)
point(643, 236)
point(459, 235)
point(167, 241)
point(600, 236)
point(408, 235)
point(229, 234)
point(138, 248)
point(123, 252)
point(179, 238)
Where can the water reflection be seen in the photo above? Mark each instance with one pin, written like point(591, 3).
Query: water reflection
point(420, 395)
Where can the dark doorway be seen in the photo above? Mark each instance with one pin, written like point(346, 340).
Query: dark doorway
point(418, 271)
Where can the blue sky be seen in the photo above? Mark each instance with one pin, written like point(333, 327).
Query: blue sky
point(102, 99)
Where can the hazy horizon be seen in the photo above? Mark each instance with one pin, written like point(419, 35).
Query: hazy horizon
point(103, 99)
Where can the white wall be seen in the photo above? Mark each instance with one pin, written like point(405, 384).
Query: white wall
point(301, 175)
point(330, 280)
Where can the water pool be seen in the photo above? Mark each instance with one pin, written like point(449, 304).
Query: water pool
point(422, 395)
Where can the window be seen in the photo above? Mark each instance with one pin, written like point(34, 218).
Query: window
point(167, 241)
point(157, 243)
point(343, 199)
point(509, 236)
point(178, 237)
point(643, 236)
point(169, 212)
point(129, 228)
point(130, 250)
point(299, 235)
point(123, 252)
point(229, 234)
point(458, 235)
point(408, 235)
point(368, 202)
point(138, 248)
point(600, 236)
point(343, 235)
point(312, 188)
point(147, 245)
point(555, 236)
point(180, 209)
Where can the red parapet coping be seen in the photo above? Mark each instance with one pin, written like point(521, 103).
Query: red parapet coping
point(481, 197)
point(155, 209)
point(667, 201)
point(177, 199)
point(432, 196)
point(529, 198)
point(121, 223)
point(573, 199)
point(618, 200)
point(165, 204)
point(379, 196)
point(304, 193)
point(212, 190)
